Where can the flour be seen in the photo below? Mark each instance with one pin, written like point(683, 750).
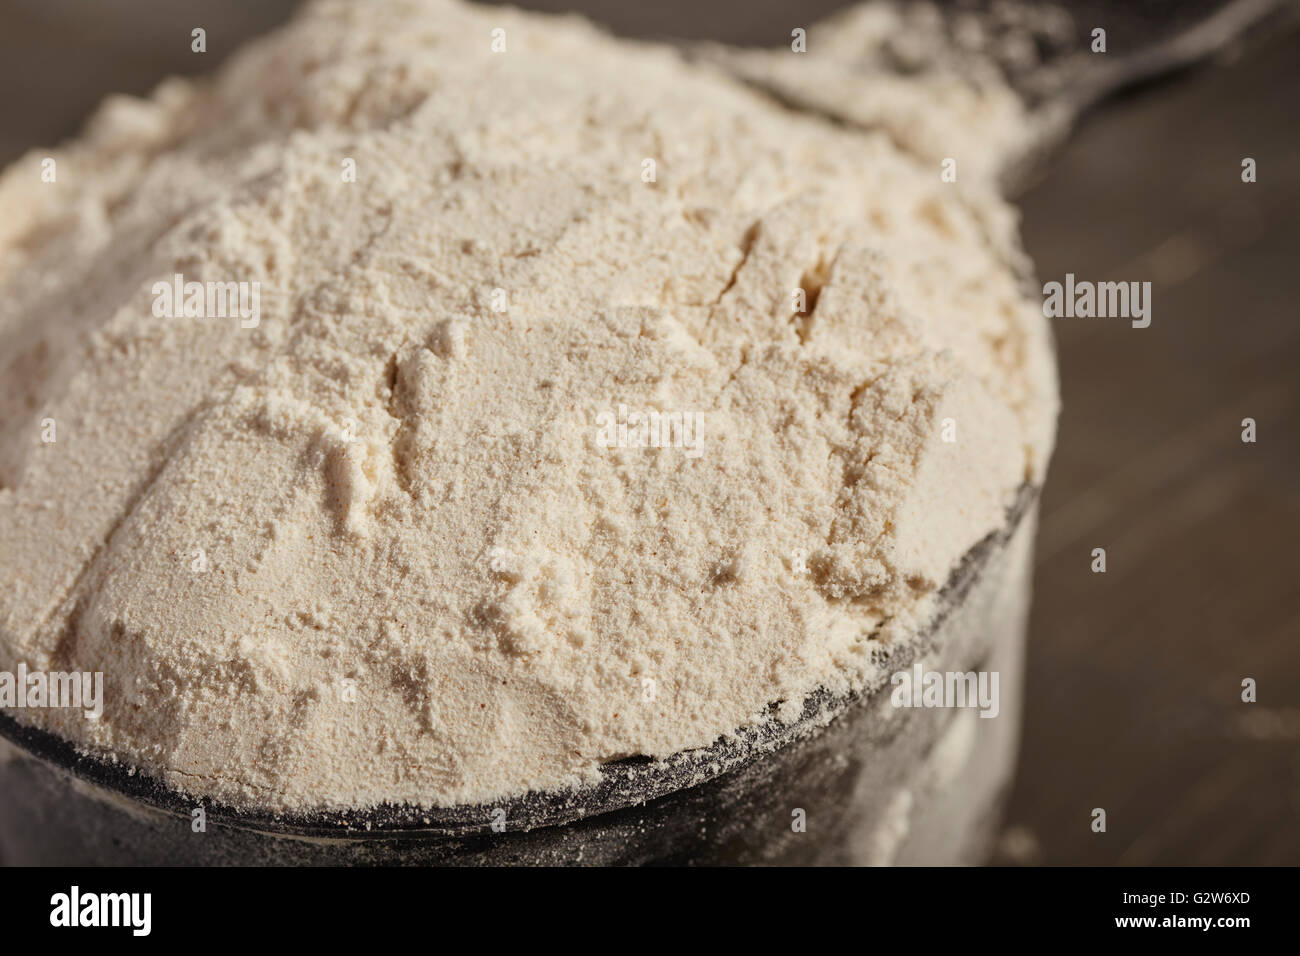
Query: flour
point(373, 548)
point(894, 67)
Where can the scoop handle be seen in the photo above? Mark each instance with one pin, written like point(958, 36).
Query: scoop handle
point(1055, 59)
point(1052, 56)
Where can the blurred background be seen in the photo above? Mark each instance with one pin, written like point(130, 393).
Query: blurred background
point(1134, 676)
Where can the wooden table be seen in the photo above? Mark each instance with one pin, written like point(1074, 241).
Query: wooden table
point(1134, 679)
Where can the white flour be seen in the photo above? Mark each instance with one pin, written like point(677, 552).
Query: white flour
point(374, 548)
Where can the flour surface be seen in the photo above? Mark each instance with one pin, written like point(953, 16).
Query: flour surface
point(382, 543)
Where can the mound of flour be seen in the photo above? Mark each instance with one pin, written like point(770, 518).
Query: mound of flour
point(383, 538)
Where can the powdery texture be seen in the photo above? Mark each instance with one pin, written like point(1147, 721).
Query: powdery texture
point(465, 602)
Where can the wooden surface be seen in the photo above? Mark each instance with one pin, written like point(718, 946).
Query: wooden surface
point(1134, 678)
point(1134, 675)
